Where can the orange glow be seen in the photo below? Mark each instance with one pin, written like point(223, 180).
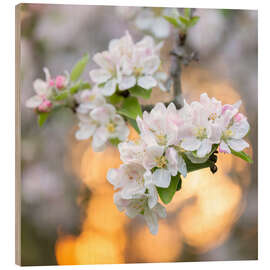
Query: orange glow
point(202, 214)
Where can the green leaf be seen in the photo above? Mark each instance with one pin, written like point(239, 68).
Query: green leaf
point(42, 117)
point(242, 155)
point(131, 108)
point(138, 91)
point(79, 68)
point(115, 99)
point(187, 12)
point(134, 124)
point(62, 95)
point(166, 194)
point(172, 21)
point(184, 20)
point(78, 87)
point(193, 21)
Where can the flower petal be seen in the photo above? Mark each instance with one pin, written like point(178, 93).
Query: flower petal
point(224, 148)
point(151, 220)
point(147, 82)
point(238, 145)
point(204, 148)
point(109, 88)
point(160, 28)
point(182, 166)
point(34, 102)
point(151, 64)
point(40, 87)
point(127, 82)
point(191, 144)
point(161, 178)
point(100, 75)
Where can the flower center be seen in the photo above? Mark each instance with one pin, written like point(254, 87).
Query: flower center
point(111, 127)
point(161, 162)
point(212, 116)
point(161, 139)
point(91, 98)
point(201, 133)
point(138, 71)
point(227, 133)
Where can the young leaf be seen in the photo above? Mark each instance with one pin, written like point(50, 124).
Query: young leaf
point(78, 87)
point(242, 155)
point(42, 117)
point(131, 108)
point(115, 99)
point(191, 167)
point(184, 21)
point(114, 141)
point(79, 68)
point(134, 124)
point(138, 91)
point(172, 21)
point(193, 21)
point(187, 12)
point(62, 95)
point(166, 194)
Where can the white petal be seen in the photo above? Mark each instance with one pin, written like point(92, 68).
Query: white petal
point(204, 148)
point(113, 177)
point(34, 102)
point(127, 82)
point(85, 132)
point(103, 113)
point(147, 82)
point(132, 212)
point(240, 129)
point(153, 196)
point(40, 87)
point(191, 144)
point(182, 166)
point(109, 88)
point(160, 210)
point(162, 178)
point(160, 28)
point(151, 65)
point(151, 220)
point(99, 139)
point(238, 145)
point(144, 19)
point(104, 60)
point(100, 75)
point(151, 153)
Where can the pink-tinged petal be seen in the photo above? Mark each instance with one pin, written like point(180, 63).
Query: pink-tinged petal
point(151, 65)
point(238, 145)
point(204, 149)
point(127, 82)
point(100, 75)
point(224, 148)
point(147, 82)
point(191, 144)
point(34, 102)
point(239, 117)
point(161, 178)
point(45, 105)
point(103, 113)
point(109, 88)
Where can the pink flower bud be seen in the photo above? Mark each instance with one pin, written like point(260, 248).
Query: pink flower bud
point(45, 106)
point(51, 82)
point(226, 107)
point(60, 82)
point(238, 117)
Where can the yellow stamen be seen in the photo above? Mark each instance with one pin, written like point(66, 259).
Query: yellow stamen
point(161, 162)
point(111, 127)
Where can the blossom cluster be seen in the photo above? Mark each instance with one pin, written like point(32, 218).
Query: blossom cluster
point(126, 64)
point(169, 138)
point(45, 90)
point(98, 120)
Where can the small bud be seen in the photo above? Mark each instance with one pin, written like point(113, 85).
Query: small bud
point(213, 168)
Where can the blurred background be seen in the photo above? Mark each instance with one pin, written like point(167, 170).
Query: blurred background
point(68, 215)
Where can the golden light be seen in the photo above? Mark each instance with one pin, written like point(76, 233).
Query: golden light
point(201, 214)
